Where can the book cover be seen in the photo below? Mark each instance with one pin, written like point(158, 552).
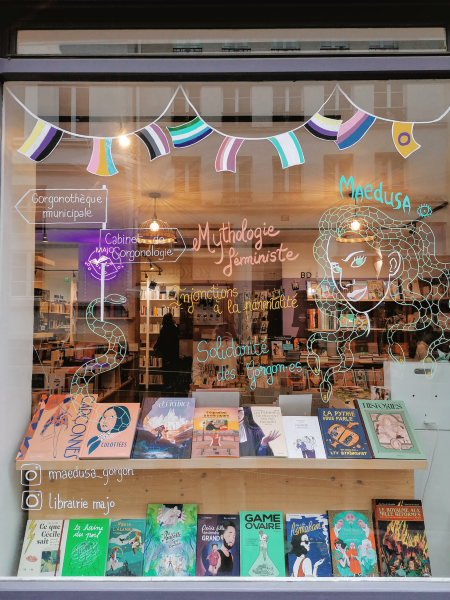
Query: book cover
point(110, 431)
point(125, 557)
point(262, 544)
point(379, 392)
point(389, 429)
point(39, 557)
point(165, 428)
point(328, 289)
point(359, 291)
point(352, 542)
point(375, 290)
point(261, 432)
point(342, 433)
point(218, 543)
point(60, 431)
point(170, 540)
point(83, 548)
point(401, 538)
point(308, 546)
point(216, 432)
point(277, 348)
point(303, 437)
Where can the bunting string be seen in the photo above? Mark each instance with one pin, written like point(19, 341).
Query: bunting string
point(45, 137)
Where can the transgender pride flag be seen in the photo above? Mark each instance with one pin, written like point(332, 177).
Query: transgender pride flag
point(226, 157)
point(189, 133)
point(354, 129)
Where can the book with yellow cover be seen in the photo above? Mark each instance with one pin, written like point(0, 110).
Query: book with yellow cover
point(216, 432)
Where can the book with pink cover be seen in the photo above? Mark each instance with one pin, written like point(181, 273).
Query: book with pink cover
point(110, 432)
point(60, 432)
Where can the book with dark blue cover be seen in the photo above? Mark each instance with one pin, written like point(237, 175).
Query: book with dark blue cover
point(343, 433)
point(308, 546)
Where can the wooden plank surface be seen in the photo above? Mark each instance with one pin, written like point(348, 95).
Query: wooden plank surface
point(220, 491)
point(236, 463)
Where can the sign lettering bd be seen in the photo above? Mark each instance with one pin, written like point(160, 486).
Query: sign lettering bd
point(64, 207)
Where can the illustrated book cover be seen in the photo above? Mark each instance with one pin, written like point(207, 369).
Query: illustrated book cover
point(125, 557)
point(165, 428)
point(111, 430)
point(218, 543)
point(170, 540)
point(389, 430)
point(342, 433)
point(83, 548)
point(375, 290)
point(379, 392)
point(46, 403)
point(308, 546)
point(60, 432)
point(216, 432)
point(262, 544)
point(303, 437)
point(401, 538)
point(39, 557)
point(261, 432)
point(352, 543)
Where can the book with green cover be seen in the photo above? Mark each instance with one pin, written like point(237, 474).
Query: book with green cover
point(126, 548)
point(170, 540)
point(84, 548)
point(262, 544)
point(389, 429)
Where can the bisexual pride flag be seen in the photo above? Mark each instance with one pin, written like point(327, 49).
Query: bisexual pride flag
point(354, 129)
point(190, 133)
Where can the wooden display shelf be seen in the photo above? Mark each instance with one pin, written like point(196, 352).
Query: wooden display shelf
point(234, 463)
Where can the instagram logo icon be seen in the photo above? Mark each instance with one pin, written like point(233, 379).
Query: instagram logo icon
point(31, 476)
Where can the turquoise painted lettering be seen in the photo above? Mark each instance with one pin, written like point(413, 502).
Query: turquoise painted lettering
point(368, 189)
point(347, 184)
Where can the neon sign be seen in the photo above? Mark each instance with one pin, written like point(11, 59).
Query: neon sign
point(378, 195)
point(111, 261)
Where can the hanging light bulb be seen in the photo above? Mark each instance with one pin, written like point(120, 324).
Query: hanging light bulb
point(154, 230)
point(124, 141)
point(154, 225)
point(44, 237)
point(355, 225)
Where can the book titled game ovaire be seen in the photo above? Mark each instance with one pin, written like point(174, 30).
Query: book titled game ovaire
point(343, 434)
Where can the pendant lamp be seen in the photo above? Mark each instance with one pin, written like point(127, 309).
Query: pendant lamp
point(154, 230)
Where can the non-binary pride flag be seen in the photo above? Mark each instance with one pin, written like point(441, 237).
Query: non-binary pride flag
point(402, 134)
point(42, 141)
point(101, 162)
point(289, 149)
point(323, 128)
point(354, 129)
point(155, 141)
point(190, 133)
point(226, 157)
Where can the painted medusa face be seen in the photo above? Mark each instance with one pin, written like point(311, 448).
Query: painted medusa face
point(350, 263)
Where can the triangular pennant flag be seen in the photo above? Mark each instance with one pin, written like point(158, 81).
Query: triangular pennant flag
point(155, 141)
point(402, 134)
point(226, 157)
point(354, 129)
point(323, 128)
point(289, 149)
point(101, 160)
point(190, 133)
point(43, 140)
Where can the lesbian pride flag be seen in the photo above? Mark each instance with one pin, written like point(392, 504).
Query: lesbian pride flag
point(226, 157)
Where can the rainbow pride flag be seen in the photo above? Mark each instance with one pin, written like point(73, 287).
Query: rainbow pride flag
point(226, 157)
point(354, 129)
point(101, 162)
point(323, 128)
point(42, 141)
point(189, 133)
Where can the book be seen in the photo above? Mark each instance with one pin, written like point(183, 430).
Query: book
point(352, 542)
point(261, 432)
point(359, 291)
point(83, 548)
point(303, 437)
point(110, 431)
point(375, 290)
point(342, 433)
point(216, 432)
point(39, 557)
point(262, 544)
point(389, 429)
point(401, 538)
point(308, 546)
point(277, 348)
point(165, 428)
point(60, 431)
point(218, 546)
point(170, 540)
point(125, 557)
point(379, 392)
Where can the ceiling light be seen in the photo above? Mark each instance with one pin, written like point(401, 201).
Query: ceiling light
point(154, 230)
point(355, 225)
point(124, 141)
